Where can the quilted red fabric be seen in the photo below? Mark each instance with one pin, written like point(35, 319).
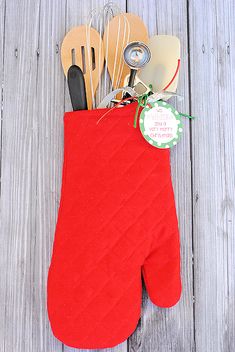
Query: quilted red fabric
point(116, 220)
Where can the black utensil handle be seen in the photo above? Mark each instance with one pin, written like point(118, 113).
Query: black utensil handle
point(130, 82)
point(77, 89)
point(132, 78)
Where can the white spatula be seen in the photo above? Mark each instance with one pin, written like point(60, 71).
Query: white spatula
point(162, 71)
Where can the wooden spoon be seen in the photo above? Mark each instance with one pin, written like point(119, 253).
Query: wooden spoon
point(83, 46)
point(120, 31)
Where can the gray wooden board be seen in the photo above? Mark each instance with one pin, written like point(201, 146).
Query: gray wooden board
point(212, 56)
point(2, 258)
point(34, 96)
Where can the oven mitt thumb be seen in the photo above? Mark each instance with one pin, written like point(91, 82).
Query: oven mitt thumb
point(116, 221)
point(161, 267)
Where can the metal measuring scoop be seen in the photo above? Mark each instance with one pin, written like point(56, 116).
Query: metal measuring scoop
point(136, 56)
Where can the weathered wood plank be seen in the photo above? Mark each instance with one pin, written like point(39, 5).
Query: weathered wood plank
point(18, 175)
point(212, 57)
point(50, 107)
point(33, 101)
point(2, 36)
point(172, 329)
point(2, 237)
point(17, 181)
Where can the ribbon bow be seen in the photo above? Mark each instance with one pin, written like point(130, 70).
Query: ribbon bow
point(145, 100)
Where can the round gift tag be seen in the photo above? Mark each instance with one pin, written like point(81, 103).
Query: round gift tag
point(160, 124)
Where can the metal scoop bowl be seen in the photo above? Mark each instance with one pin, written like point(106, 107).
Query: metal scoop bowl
point(136, 56)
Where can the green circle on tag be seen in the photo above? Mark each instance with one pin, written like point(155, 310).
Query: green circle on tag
point(161, 124)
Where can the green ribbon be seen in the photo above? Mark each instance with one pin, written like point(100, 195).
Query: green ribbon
point(142, 102)
point(186, 115)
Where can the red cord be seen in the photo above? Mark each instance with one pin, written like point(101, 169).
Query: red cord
point(176, 72)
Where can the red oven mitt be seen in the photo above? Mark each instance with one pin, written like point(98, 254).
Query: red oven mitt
point(116, 220)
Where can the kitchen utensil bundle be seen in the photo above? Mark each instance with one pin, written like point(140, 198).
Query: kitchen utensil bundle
point(117, 219)
point(110, 55)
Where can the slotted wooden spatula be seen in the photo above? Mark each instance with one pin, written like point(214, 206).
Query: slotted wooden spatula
point(83, 46)
point(120, 31)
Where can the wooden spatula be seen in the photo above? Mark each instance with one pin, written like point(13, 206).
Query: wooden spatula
point(162, 71)
point(120, 31)
point(83, 46)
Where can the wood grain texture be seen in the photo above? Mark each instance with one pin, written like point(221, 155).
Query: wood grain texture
point(2, 237)
point(31, 165)
point(18, 173)
point(212, 55)
point(33, 97)
point(172, 329)
point(2, 38)
point(50, 108)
